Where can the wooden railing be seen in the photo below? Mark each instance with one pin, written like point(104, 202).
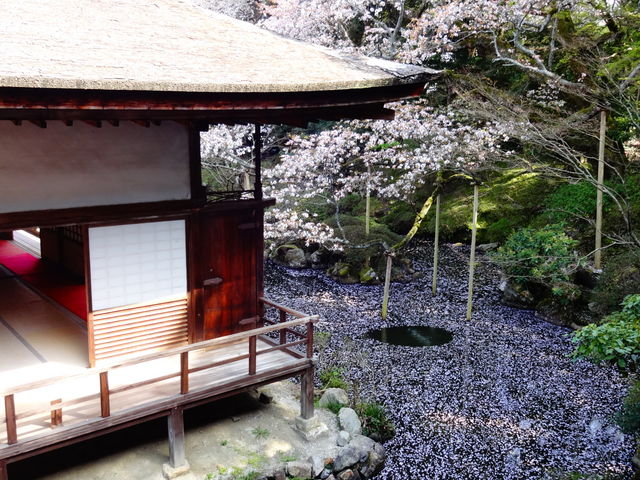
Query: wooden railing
point(102, 373)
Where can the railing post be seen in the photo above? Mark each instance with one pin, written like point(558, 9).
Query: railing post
point(10, 414)
point(283, 332)
point(56, 413)
point(184, 373)
point(252, 355)
point(105, 404)
point(310, 340)
point(4, 474)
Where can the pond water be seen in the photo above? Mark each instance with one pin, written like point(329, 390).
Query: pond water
point(412, 336)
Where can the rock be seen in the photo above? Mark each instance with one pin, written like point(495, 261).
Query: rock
point(265, 398)
point(343, 438)
point(356, 452)
point(368, 276)
point(349, 421)
point(331, 477)
point(516, 296)
point(333, 396)
point(300, 469)
point(318, 258)
point(326, 474)
point(375, 460)
point(318, 463)
point(346, 475)
point(280, 474)
point(295, 258)
point(487, 247)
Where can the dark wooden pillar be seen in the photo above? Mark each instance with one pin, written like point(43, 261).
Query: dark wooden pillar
point(257, 153)
point(6, 236)
point(306, 394)
point(4, 474)
point(177, 457)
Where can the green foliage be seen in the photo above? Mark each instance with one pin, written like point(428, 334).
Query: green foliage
point(224, 443)
point(629, 416)
point(616, 340)
point(333, 378)
point(334, 407)
point(260, 433)
point(569, 202)
point(620, 277)
point(543, 256)
point(375, 422)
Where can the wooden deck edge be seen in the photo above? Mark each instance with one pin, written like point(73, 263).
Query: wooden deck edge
point(140, 414)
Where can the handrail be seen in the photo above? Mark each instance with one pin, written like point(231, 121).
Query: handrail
point(104, 393)
point(155, 356)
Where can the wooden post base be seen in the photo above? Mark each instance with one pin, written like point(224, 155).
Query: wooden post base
point(177, 458)
point(306, 394)
point(4, 474)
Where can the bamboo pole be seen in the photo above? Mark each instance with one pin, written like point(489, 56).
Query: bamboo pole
point(436, 241)
point(472, 257)
point(597, 260)
point(367, 213)
point(387, 282)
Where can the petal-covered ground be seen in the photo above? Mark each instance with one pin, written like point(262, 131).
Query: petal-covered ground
point(501, 401)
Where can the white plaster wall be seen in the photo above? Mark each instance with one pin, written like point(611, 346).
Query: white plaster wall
point(137, 263)
point(75, 166)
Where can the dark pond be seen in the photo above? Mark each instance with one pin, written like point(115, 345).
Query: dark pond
point(415, 336)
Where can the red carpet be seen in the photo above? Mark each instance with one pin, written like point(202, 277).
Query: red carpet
point(45, 277)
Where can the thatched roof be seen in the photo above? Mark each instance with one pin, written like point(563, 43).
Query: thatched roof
point(169, 46)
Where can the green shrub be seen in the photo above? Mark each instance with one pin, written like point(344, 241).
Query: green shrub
point(333, 378)
point(629, 416)
point(616, 340)
point(544, 255)
point(375, 423)
point(569, 202)
point(620, 277)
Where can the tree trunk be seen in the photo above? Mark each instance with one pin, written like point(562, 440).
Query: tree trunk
point(387, 284)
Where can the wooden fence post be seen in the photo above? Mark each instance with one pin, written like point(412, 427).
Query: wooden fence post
point(306, 394)
point(252, 355)
point(56, 413)
point(105, 403)
point(184, 373)
point(472, 256)
point(436, 241)
point(283, 332)
point(387, 283)
point(597, 259)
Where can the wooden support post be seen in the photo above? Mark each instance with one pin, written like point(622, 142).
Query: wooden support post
point(283, 332)
point(56, 413)
point(184, 373)
point(310, 340)
point(597, 259)
point(257, 153)
point(175, 421)
point(472, 257)
point(306, 394)
point(4, 474)
point(367, 213)
point(10, 418)
point(252, 355)
point(387, 284)
point(436, 243)
point(105, 404)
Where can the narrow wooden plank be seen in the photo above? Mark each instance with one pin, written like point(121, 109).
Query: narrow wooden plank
point(177, 457)
point(10, 419)
point(105, 404)
point(56, 413)
point(184, 372)
point(252, 355)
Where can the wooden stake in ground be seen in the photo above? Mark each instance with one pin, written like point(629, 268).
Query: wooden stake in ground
point(436, 240)
point(367, 212)
point(472, 257)
point(597, 260)
point(387, 285)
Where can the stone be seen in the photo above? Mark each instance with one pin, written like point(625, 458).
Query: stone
point(310, 428)
point(375, 461)
point(333, 396)
point(487, 247)
point(331, 477)
point(346, 475)
point(300, 469)
point(265, 398)
point(183, 472)
point(349, 421)
point(295, 258)
point(280, 474)
point(325, 474)
point(344, 437)
point(515, 296)
point(318, 463)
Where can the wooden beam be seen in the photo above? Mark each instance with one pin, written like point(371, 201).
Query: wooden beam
point(184, 373)
point(436, 245)
point(252, 354)
point(597, 260)
point(39, 123)
point(94, 123)
point(257, 161)
point(472, 256)
point(142, 123)
point(4, 474)
point(105, 402)
point(56, 413)
point(175, 422)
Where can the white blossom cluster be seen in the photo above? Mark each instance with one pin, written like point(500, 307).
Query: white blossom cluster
point(547, 95)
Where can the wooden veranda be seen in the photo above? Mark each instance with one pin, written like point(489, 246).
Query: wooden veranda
point(58, 411)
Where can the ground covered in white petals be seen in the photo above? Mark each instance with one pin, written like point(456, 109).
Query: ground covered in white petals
point(501, 401)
